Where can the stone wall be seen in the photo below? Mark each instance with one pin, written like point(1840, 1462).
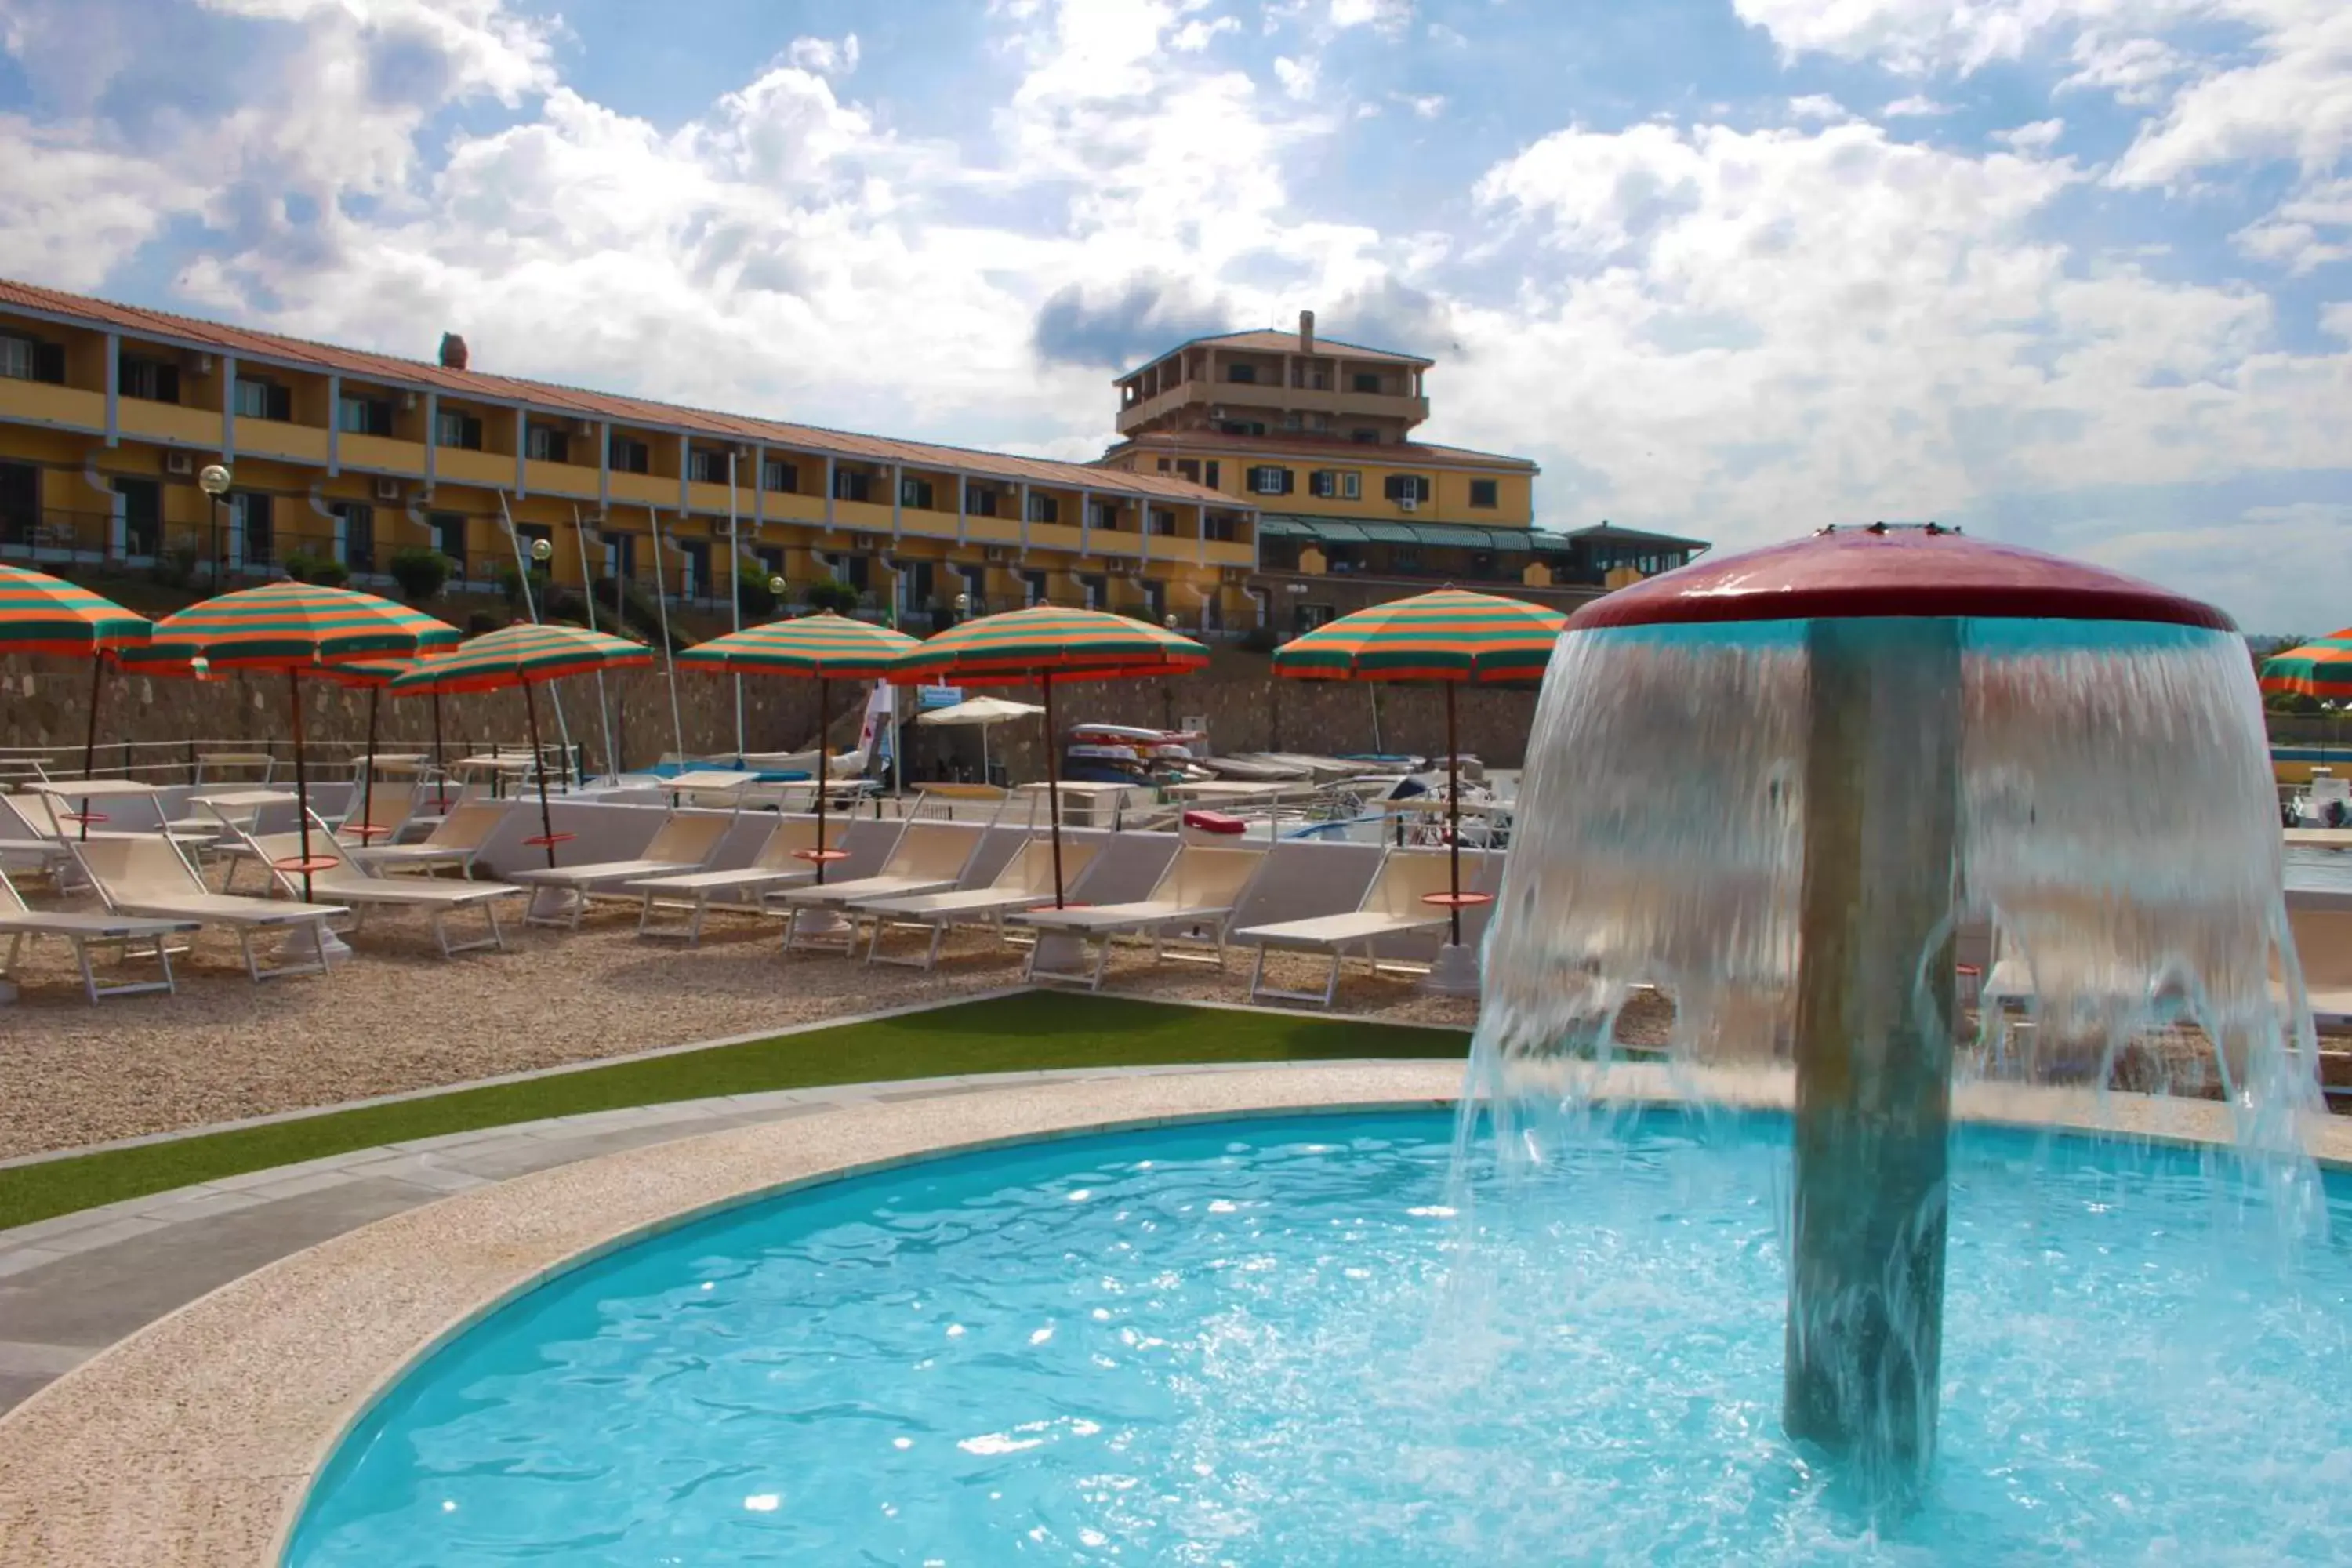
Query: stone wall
point(151, 720)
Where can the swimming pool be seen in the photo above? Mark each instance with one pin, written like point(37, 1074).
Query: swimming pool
point(1276, 1342)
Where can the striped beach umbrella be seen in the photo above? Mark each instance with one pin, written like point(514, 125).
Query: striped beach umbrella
point(41, 613)
point(1452, 636)
point(1045, 643)
point(824, 647)
point(2321, 669)
point(298, 628)
point(527, 655)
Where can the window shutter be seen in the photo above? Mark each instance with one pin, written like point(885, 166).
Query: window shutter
point(1420, 487)
point(281, 403)
point(1288, 480)
point(49, 363)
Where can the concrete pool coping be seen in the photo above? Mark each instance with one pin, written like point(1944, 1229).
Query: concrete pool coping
point(195, 1439)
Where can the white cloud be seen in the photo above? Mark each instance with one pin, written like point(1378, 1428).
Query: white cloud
point(1818, 106)
point(1390, 16)
point(2290, 104)
point(1296, 77)
point(2134, 71)
point(824, 57)
point(1424, 105)
point(1439, 33)
point(2290, 561)
point(2037, 137)
point(1917, 107)
point(2306, 232)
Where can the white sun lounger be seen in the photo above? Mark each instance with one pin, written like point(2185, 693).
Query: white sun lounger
point(1191, 906)
point(778, 865)
point(454, 842)
point(353, 885)
point(21, 924)
point(1392, 906)
point(1025, 882)
point(686, 841)
point(928, 858)
point(146, 874)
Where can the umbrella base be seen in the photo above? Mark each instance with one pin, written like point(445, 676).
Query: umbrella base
point(1455, 973)
point(305, 946)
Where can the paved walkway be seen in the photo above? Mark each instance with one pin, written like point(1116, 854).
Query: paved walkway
point(71, 1286)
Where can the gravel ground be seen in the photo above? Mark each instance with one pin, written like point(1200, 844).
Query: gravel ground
point(395, 1017)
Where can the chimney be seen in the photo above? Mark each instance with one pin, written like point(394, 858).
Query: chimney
point(1306, 331)
point(453, 351)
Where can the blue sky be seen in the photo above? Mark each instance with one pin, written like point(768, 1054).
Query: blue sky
point(2074, 272)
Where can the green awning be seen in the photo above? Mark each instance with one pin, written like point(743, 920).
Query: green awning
point(1437, 535)
point(1390, 532)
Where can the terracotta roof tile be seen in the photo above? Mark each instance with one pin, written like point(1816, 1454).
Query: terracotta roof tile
point(192, 332)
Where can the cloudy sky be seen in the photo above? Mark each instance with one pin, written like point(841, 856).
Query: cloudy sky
point(2076, 273)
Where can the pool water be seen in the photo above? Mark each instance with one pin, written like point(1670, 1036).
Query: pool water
point(1276, 1342)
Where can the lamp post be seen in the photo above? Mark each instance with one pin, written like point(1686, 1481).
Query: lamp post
point(1168, 687)
point(215, 481)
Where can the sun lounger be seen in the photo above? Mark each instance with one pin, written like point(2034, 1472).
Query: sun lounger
point(353, 886)
point(1392, 906)
point(389, 806)
point(454, 842)
point(1192, 905)
point(1025, 882)
point(686, 841)
point(780, 864)
point(20, 924)
point(23, 840)
point(928, 858)
point(146, 874)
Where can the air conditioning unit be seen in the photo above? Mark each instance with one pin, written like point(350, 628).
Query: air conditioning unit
point(1218, 412)
point(1407, 503)
point(202, 364)
point(387, 490)
point(408, 403)
point(179, 462)
point(583, 428)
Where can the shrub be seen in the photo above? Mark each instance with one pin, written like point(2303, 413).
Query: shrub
point(1260, 639)
point(176, 567)
point(420, 571)
point(482, 621)
point(752, 592)
point(831, 594)
point(322, 570)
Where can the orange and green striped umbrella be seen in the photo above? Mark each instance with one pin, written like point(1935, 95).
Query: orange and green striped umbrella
point(1450, 634)
point(825, 644)
point(1044, 644)
point(2321, 669)
point(526, 655)
point(289, 625)
point(521, 655)
point(41, 613)
point(1046, 641)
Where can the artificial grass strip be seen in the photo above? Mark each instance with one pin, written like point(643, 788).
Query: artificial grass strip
point(1006, 1034)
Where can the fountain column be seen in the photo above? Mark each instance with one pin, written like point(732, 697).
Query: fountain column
point(1873, 1040)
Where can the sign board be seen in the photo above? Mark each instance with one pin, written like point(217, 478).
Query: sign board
point(929, 696)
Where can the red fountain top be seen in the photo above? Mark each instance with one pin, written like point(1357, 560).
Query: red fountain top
point(1883, 570)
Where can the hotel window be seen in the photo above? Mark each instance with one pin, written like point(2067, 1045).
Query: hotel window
point(1336, 484)
point(1188, 467)
point(770, 558)
point(1407, 487)
point(693, 569)
point(362, 415)
point(1364, 381)
point(850, 485)
point(1482, 492)
point(149, 380)
point(1245, 373)
point(456, 428)
point(1221, 528)
point(359, 534)
point(1209, 474)
point(914, 492)
point(448, 531)
point(1267, 479)
point(249, 521)
point(1106, 515)
point(20, 502)
point(628, 456)
point(1032, 588)
point(258, 399)
point(1365, 437)
point(26, 359)
point(1242, 427)
point(1163, 522)
point(980, 501)
point(705, 466)
point(1044, 509)
point(775, 474)
point(544, 444)
point(1291, 421)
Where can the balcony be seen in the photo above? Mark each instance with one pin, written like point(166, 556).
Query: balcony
point(642, 489)
point(42, 403)
point(1207, 394)
point(170, 422)
point(278, 438)
point(1053, 536)
point(462, 466)
point(381, 455)
point(1232, 552)
point(991, 530)
point(546, 478)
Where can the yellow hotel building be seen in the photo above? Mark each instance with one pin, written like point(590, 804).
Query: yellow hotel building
point(1232, 447)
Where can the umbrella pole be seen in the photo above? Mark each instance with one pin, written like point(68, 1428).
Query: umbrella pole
point(89, 736)
point(302, 779)
point(1452, 820)
point(1053, 788)
point(367, 767)
point(546, 825)
point(441, 777)
point(824, 724)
